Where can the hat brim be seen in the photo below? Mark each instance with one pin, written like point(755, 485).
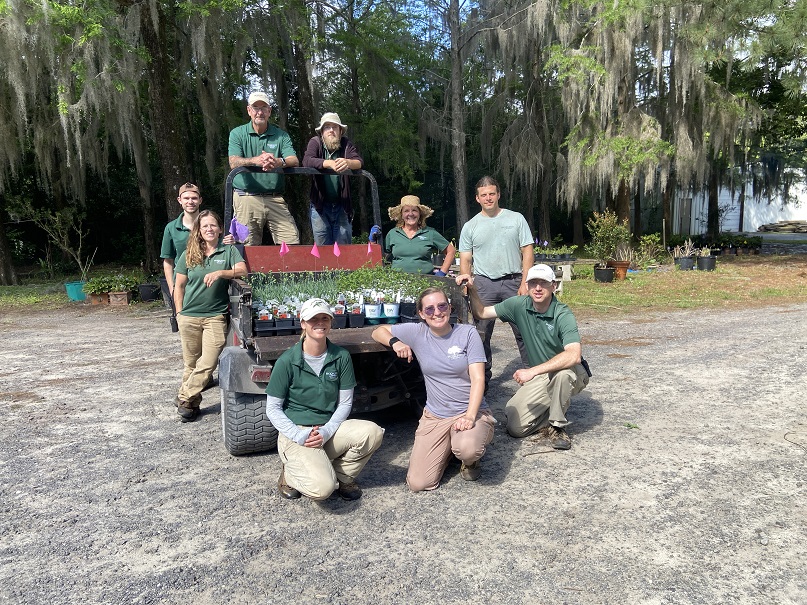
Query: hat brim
point(395, 212)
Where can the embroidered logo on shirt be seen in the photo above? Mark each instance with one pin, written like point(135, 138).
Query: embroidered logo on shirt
point(455, 352)
point(219, 261)
point(331, 375)
point(421, 237)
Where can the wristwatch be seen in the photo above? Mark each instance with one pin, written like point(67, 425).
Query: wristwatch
point(283, 162)
point(393, 340)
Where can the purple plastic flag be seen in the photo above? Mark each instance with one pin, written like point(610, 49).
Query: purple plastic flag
point(238, 231)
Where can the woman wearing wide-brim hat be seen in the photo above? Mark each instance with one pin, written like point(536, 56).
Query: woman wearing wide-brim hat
point(411, 243)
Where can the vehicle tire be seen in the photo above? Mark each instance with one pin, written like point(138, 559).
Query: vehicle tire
point(246, 428)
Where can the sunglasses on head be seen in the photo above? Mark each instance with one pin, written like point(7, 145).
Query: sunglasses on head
point(442, 307)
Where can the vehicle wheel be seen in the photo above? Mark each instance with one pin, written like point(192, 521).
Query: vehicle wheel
point(246, 428)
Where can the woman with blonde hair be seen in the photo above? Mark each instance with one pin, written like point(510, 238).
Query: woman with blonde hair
point(202, 301)
point(411, 243)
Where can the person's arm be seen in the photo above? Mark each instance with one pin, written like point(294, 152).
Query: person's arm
point(568, 358)
point(449, 252)
point(238, 270)
point(527, 259)
point(168, 271)
point(465, 262)
point(312, 157)
point(292, 161)
point(382, 335)
point(340, 414)
point(237, 160)
point(479, 310)
point(179, 291)
point(283, 424)
point(477, 373)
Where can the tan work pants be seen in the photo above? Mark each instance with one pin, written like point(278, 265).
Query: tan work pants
point(315, 471)
point(202, 339)
point(255, 211)
point(544, 400)
point(436, 439)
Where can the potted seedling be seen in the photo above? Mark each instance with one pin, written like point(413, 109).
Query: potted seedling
point(706, 260)
point(684, 255)
point(607, 232)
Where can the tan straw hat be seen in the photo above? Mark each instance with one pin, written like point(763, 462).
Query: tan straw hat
point(409, 200)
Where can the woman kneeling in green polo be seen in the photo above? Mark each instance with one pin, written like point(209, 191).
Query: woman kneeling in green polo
point(201, 299)
point(308, 400)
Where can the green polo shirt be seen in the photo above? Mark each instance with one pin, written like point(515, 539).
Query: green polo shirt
point(308, 399)
point(545, 334)
point(246, 143)
point(414, 255)
point(200, 300)
point(175, 238)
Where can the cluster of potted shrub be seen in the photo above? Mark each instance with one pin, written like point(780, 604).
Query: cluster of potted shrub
point(370, 295)
point(118, 289)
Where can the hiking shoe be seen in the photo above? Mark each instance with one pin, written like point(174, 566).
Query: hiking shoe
point(349, 491)
point(286, 490)
point(187, 414)
point(559, 439)
point(471, 472)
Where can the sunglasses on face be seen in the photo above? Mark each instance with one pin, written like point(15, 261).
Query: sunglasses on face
point(442, 307)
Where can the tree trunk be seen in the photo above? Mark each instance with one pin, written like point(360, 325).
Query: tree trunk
point(543, 227)
point(141, 160)
point(637, 213)
point(622, 202)
point(457, 119)
point(712, 218)
point(577, 226)
point(299, 200)
point(166, 121)
point(666, 203)
point(8, 275)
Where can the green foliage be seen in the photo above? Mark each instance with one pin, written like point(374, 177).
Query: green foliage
point(607, 232)
point(649, 251)
point(98, 285)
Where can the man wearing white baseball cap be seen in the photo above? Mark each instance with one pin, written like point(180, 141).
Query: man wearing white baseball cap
point(258, 196)
point(552, 340)
point(331, 210)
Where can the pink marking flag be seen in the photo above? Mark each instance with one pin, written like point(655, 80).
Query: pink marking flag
point(369, 249)
point(284, 249)
point(315, 251)
point(336, 252)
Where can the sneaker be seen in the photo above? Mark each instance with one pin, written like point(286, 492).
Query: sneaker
point(286, 490)
point(559, 439)
point(471, 472)
point(187, 414)
point(349, 491)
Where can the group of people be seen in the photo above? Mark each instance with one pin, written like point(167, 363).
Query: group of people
point(310, 392)
point(455, 360)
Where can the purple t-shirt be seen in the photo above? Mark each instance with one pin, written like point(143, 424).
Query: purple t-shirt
point(444, 362)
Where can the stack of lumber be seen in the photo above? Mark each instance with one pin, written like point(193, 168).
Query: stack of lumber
point(785, 227)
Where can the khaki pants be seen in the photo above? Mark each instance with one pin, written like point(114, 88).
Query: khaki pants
point(543, 400)
point(255, 211)
point(436, 439)
point(315, 471)
point(203, 339)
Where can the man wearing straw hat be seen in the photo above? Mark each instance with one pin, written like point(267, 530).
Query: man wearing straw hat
point(331, 210)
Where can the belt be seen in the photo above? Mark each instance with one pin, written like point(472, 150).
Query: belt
point(508, 276)
point(262, 194)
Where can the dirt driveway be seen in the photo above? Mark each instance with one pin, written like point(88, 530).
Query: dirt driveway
point(686, 482)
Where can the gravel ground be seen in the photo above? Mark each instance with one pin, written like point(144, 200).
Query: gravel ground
point(685, 483)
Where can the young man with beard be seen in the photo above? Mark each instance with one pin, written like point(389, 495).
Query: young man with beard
point(258, 196)
point(331, 210)
point(557, 369)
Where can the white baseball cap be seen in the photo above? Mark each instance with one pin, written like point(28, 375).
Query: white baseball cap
point(258, 96)
point(544, 272)
point(313, 307)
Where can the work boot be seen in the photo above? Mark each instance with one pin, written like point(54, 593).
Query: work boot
point(286, 490)
point(187, 414)
point(558, 438)
point(349, 491)
point(471, 472)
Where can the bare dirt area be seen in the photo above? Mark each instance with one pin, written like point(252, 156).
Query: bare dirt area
point(685, 482)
